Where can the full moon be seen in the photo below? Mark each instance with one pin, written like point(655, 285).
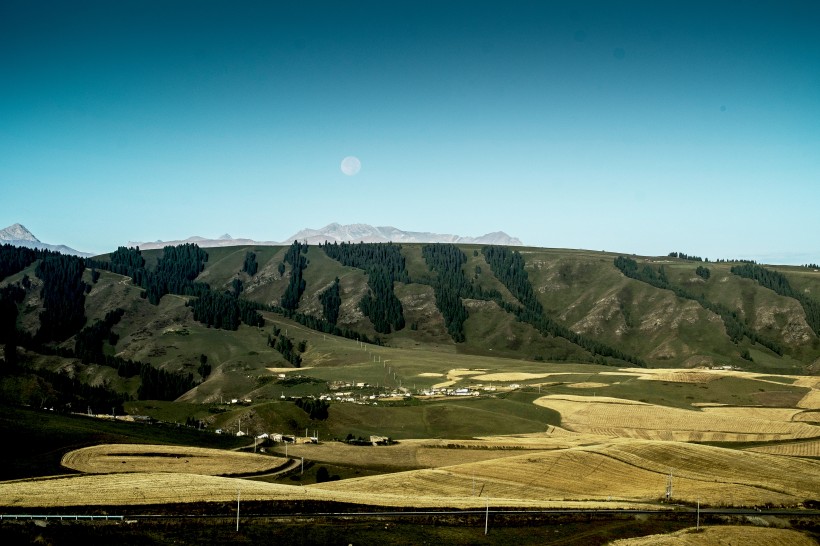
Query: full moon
point(351, 165)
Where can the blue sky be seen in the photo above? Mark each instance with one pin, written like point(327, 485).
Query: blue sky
point(640, 127)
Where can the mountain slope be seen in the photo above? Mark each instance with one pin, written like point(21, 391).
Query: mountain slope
point(592, 305)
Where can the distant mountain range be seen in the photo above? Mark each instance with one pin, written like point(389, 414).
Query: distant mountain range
point(354, 233)
point(18, 235)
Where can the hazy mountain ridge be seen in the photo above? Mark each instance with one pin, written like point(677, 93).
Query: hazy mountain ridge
point(18, 235)
point(338, 233)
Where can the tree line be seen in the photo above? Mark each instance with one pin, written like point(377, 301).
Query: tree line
point(683, 256)
point(331, 300)
point(296, 284)
point(449, 286)
point(385, 266)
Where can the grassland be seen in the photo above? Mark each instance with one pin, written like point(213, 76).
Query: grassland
point(41, 438)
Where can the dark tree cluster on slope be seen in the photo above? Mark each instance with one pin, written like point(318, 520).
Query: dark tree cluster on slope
point(316, 409)
point(175, 274)
point(296, 284)
point(703, 272)
point(280, 342)
point(331, 300)
point(508, 266)
point(175, 271)
point(14, 259)
point(384, 265)
point(450, 285)
point(88, 343)
point(204, 369)
point(777, 282)
point(10, 297)
point(63, 296)
point(736, 329)
point(158, 384)
point(250, 266)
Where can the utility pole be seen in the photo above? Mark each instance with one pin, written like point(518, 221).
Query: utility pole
point(486, 518)
point(697, 525)
point(237, 511)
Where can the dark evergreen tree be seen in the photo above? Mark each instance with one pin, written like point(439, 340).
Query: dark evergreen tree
point(250, 266)
point(331, 300)
point(450, 285)
point(63, 296)
point(296, 284)
point(385, 265)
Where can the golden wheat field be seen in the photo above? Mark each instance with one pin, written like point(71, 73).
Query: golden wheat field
point(754, 412)
point(811, 400)
point(791, 449)
point(162, 488)
point(629, 419)
point(722, 536)
point(634, 471)
point(111, 458)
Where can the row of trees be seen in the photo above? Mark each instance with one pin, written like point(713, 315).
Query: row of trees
point(736, 328)
point(296, 284)
point(508, 266)
point(385, 266)
point(14, 259)
point(331, 300)
point(683, 256)
point(63, 297)
point(449, 286)
point(776, 281)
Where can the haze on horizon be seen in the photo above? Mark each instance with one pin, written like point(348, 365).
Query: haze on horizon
point(641, 127)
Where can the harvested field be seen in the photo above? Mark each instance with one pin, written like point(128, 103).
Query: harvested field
point(754, 412)
point(791, 449)
point(587, 385)
point(681, 377)
point(629, 419)
point(722, 535)
point(116, 458)
point(512, 376)
point(622, 471)
point(811, 400)
point(135, 489)
point(807, 417)
point(454, 375)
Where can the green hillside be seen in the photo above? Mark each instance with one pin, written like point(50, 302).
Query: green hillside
point(566, 307)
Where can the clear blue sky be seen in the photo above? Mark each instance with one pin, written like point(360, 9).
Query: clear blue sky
point(640, 127)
